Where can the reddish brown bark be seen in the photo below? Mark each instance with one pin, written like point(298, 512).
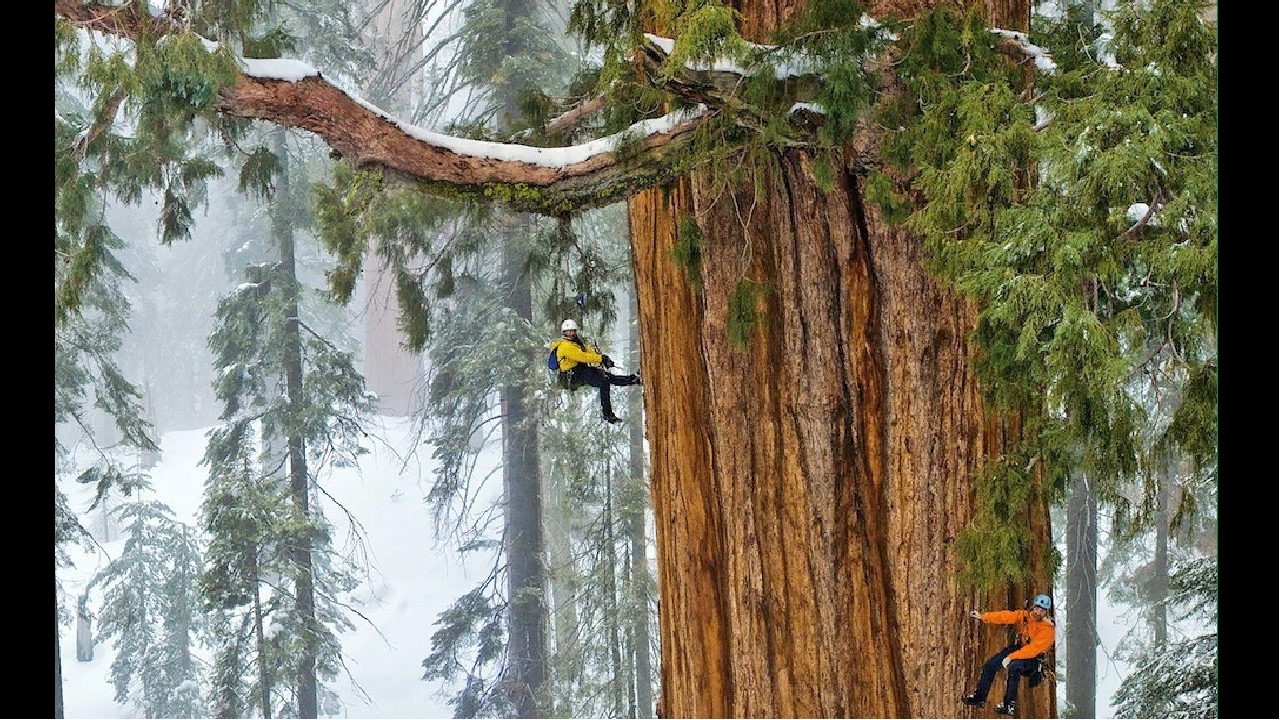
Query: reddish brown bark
point(367, 138)
point(808, 490)
point(806, 515)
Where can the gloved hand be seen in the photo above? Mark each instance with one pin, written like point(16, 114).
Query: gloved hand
point(606, 361)
point(975, 614)
point(1005, 663)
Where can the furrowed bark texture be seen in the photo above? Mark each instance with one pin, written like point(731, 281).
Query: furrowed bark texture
point(692, 627)
point(808, 489)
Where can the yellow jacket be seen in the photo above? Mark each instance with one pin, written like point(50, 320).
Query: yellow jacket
point(1035, 636)
point(570, 353)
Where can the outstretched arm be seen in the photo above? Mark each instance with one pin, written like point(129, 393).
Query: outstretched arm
point(1000, 617)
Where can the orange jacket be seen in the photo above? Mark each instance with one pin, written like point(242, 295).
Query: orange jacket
point(1035, 636)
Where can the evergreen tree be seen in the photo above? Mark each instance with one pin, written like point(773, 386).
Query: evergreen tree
point(1179, 678)
point(91, 312)
point(152, 606)
point(1154, 286)
point(598, 601)
point(1165, 518)
point(1074, 39)
point(475, 326)
point(292, 400)
point(238, 504)
point(471, 359)
point(596, 495)
point(507, 56)
point(507, 52)
point(639, 605)
point(98, 168)
point(67, 531)
point(1105, 268)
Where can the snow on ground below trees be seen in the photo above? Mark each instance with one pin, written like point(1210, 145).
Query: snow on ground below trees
point(411, 582)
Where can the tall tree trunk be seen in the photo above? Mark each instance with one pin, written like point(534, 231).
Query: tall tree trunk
point(1081, 605)
point(527, 617)
point(84, 633)
point(1081, 626)
point(638, 578)
point(260, 638)
point(618, 685)
point(806, 511)
point(1160, 564)
point(304, 580)
point(390, 370)
point(563, 582)
point(58, 711)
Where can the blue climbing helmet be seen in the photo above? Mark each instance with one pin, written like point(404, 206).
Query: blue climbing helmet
point(1043, 601)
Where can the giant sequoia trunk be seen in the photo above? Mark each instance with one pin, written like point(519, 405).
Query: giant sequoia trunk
point(806, 514)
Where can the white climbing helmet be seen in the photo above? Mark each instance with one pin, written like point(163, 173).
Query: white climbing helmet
point(568, 325)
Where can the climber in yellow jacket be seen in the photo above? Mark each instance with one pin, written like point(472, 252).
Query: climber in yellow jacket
point(1036, 634)
point(588, 366)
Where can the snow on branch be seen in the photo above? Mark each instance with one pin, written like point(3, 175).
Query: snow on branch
point(585, 175)
point(293, 94)
point(1020, 46)
point(528, 178)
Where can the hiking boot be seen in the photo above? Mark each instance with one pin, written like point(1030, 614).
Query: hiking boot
point(1007, 708)
point(612, 419)
point(973, 700)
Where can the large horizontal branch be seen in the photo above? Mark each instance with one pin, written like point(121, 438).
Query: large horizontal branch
point(542, 180)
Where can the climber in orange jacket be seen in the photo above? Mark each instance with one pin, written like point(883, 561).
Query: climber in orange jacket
point(1036, 634)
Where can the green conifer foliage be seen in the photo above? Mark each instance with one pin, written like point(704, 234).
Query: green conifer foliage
point(91, 311)
point(153, 609)
point(1179, 679)
point(250, 512)
point(1098, 268)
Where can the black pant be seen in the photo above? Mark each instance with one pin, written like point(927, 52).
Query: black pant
point(1017, 668)
point(595, 377)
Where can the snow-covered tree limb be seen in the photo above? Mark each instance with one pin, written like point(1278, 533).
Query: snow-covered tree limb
point(549, 181)
point(531, 179)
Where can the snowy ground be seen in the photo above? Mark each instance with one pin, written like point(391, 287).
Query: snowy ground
point(410, 583)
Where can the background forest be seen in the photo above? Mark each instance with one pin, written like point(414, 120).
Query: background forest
point(248, 422)
point(411, 580)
